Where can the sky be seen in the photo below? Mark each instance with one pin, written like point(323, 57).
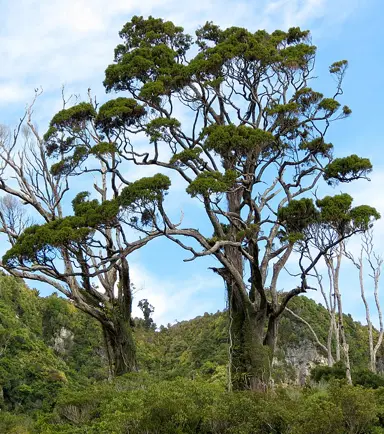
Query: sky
point(53, 43)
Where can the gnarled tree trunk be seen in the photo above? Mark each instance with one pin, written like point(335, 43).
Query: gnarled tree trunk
point(250, 355)
point(115, 319)
point(120, 347)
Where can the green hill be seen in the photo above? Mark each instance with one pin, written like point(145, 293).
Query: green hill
point(51, 355)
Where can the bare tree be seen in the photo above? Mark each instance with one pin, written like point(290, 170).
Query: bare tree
point(328, 294)
point(334, 264)
point(375, 262)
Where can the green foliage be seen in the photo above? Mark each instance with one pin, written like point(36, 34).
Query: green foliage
point(298, 214)
point(327, 373)
point(230, 141)
point(338, 212)
point(367, 379)
point(145, 191)
point(317, 147)
point(360, 377)
point(338, 67)
point(11, 423)
point(279, 49)
point(81, 344)
point(307, 97)
point(347, 169)
point(73, 119)
point(142, 404)
point(39, 242)
point(157, 128)
point(103, 148)
point(329, 105)
point(185, 156)
point(283, 108)
point(319, 415)
point(363, 215)
point(119, 113)
point(45, 345)
point(150, 54)
point(358, 407)
point(207, 183)
point(67, 165)
point(73, 116)
point(181, 384)
point(150, 57)
point(335, 212)
point(30, 374)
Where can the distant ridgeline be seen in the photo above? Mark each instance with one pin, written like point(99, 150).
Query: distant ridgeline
point(46, 344)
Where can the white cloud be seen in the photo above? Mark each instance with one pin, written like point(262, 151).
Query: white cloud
point(177, 299)
point(73, 41)
point(11, 92)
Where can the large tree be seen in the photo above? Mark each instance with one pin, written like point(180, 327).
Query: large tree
point(83, 253)
point(252, 148)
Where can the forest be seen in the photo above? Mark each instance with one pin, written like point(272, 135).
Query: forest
point(229, 115)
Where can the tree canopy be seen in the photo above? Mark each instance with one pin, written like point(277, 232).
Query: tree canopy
point(252, 148)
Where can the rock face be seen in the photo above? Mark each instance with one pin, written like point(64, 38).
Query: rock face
point(303, 358)
point(296, 361)
point(63, 341)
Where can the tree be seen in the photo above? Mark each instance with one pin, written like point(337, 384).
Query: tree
point(84, 254)
point(252, 151)
point(375, 263)
point(330, 303)
point(147, 310)
point(334, 265)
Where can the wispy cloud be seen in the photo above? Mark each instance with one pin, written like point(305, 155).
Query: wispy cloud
point(55, 42)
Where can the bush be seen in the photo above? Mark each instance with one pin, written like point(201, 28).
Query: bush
point(368, 379)
point(15, 423)
point(140, 404)
point(358, 406)
point(327, 373)
point(319, 415)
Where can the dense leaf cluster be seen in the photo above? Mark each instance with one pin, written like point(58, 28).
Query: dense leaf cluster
point(334, 212)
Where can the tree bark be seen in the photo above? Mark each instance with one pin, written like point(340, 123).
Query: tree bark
point(250, 358)
point(121, 347)
point(115, 320)
point(344, 343)
point(372, 364)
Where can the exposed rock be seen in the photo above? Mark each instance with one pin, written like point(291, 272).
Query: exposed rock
point(298, 361)
point(63, 342)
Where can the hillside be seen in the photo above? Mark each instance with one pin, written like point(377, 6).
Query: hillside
point(46, 343)
point(53, 372)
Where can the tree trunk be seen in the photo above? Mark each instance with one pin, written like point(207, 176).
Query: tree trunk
point(115, 320)
point(251, 348)
point(329, 344)
point(372, 364)
point(337, 339)
point(120, 336)
point(250, 358)
point(120, 347)
point(336, 288)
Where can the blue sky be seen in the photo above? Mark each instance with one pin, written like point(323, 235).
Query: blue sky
point(51, 43)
